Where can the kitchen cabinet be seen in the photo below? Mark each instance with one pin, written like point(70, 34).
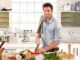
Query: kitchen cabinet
point(70, 19)
point(4, 19)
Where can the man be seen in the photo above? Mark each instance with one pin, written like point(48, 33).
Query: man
point(48, 30)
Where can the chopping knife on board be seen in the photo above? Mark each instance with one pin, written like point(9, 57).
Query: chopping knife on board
point(37, 47)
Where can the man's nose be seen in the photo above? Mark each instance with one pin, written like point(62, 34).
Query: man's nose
point(46, 12)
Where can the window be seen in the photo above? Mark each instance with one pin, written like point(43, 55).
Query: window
point(26, 13)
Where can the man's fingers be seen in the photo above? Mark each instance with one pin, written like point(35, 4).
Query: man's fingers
point(39, 50)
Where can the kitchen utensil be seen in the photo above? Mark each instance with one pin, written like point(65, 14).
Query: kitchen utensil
point(75, 51)
point(37, 47)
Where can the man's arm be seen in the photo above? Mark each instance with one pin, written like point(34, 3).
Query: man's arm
point(38, 39)
point(51, 46)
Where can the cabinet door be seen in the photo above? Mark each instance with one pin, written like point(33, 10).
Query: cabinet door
point(4, 14)
point(70, 19)
point(66, 19)
point(4, 19)
point(76, 19)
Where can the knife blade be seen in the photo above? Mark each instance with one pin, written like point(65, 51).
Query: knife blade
point(37, 47)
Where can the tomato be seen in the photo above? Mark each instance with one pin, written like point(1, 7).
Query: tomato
point(35, 52)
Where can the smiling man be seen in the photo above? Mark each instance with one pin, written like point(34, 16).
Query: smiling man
point(48, 30)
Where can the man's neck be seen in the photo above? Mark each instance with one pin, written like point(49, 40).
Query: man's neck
point(48, 19)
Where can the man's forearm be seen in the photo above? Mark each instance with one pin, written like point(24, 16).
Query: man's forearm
point(38, 38)
point(53, 45)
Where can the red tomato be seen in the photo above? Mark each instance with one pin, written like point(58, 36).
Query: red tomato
point(35, 52)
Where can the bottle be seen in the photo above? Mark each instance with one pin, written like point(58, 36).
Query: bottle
point(25, 36)
point(67, 7)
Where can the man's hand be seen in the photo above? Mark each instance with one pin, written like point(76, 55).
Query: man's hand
point(51, 46)
point(41, 50)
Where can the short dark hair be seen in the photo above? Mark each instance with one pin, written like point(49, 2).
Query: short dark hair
point(48, 5)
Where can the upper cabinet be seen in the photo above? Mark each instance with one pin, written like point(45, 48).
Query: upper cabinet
point(69, 13)
point(4, 19)
point(5, 7)
point(70, 19)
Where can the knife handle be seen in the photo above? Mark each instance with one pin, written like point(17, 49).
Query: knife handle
point(37, 47)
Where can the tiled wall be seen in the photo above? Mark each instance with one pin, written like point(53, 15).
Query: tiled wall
point(26, 13)
point(6, 3)
point(66, 36)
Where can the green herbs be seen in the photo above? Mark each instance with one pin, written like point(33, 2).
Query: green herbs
point(52, 56)
point(2, 38)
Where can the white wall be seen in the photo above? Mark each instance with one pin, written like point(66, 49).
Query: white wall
point(6, 3)
point(26, 13)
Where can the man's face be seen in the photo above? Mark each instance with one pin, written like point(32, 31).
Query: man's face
point(47, 12)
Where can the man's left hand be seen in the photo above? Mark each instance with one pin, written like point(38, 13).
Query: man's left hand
point(41, 50)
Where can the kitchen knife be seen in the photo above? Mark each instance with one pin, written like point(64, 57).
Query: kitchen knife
point(37, 47)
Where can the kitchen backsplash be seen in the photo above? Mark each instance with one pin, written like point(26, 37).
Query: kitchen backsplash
point(19, 36)
point(70, 34)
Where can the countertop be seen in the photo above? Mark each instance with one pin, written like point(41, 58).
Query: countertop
point(40, 57)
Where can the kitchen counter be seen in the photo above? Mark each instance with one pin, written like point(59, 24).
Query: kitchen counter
point(40, 57)
point(22, 45)
point(32, 46)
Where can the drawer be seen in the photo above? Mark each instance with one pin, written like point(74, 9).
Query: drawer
point(4, 19)
point(66, 14)
point(4, 25)
point(66, 20)
point(4, 14)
